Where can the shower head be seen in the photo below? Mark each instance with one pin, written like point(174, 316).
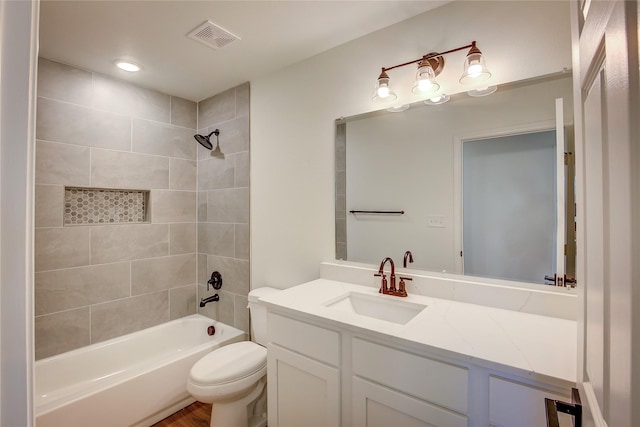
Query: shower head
point(205, 141)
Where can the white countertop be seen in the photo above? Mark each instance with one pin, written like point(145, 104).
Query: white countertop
point(521, 343)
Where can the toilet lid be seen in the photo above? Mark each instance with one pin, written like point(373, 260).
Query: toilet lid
point(229, 363)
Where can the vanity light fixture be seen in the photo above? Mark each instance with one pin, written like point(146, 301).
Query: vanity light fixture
point(429, 67)
point(128, 66)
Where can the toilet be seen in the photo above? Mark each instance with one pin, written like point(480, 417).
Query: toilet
point(233, 378)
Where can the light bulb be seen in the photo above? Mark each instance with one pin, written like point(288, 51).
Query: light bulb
point(383, 91)
point(424, 85)
point(127, 66)
point(474, 70)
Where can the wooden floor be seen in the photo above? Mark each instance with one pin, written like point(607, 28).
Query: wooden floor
point(195, 415)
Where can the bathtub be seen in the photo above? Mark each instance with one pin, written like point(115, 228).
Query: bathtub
point(133, 380)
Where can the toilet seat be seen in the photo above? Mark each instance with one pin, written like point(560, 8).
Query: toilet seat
point(228, 372)
point(228, 364)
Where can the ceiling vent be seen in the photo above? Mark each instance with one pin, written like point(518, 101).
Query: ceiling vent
point(212, 35)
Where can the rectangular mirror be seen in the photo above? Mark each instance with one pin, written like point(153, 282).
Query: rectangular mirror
point(414, 162)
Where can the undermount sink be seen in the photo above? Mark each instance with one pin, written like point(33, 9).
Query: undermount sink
point(381, 307)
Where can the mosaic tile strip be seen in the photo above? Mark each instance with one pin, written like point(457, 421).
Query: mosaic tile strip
point(101, 206)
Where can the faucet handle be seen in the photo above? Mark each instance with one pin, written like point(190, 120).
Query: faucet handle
point(402, 292)
point(383, 284)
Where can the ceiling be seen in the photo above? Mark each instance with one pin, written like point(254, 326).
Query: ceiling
point(274, 34)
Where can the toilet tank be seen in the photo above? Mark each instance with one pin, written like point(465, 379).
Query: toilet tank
point(259, 314)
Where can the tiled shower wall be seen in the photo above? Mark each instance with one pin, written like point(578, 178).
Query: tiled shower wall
point(95, 282)
point(223, 205)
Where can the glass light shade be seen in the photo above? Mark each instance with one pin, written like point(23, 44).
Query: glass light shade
point(383, 92)
point(425, 80)
point(474, 69)
point(476, 93)
point(437, 100)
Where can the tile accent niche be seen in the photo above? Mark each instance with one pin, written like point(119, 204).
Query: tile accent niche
point(83, 206)
point(93, 281)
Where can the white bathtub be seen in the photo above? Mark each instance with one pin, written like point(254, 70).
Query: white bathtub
point(133, 380)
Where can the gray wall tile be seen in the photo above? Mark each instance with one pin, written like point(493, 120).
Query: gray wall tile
point(229, 205)
point(111, 243)
point(234, 136)
point(216, 239)
point(173, 206)
point(203, 275)
point(60, 290)
point(57, 248)
point(184, 112)
point(242, 241)
point(115, 169)
point(182, 238)
point(65, 83)
point(217, 109)
point(235, 273)
point(215, 173)
point(74, 124)
point(60, 332)
point(62, 164)
point(182, 301)
point(242, 169)
point(241, 313)
point(157, 274)
point(163, 140)
point(49, 201)
point(242, 100)
point(116, 318)
point(202, 206)
point(182, 174)
point(226, 308)
point(124, 98)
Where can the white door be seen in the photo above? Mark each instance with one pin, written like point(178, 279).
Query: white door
point(606, 99)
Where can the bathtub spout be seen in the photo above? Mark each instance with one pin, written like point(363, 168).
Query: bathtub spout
point(207, 300)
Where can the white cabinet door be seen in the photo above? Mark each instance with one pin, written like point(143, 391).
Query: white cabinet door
point(512, 404)
point(302, 391)
point(378, 406)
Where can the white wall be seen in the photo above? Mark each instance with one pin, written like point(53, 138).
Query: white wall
point(293, 113)
point(405, 161)
point(18, 50)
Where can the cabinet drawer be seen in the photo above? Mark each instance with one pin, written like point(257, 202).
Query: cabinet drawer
point(377, 406)
point(437, 382)
point(313, 341)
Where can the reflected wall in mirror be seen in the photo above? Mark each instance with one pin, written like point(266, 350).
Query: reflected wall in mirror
point(412, 162)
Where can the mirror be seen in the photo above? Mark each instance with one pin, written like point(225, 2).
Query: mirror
point(408, 167)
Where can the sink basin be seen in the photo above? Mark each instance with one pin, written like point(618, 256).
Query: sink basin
point(381, 307)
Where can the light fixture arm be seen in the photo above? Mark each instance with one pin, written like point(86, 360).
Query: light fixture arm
point(430, 56)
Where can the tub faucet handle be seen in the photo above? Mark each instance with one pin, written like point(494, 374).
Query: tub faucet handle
point(215, 281)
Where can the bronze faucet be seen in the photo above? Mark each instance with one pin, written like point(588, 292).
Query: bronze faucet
point(391, 290)
point(383, 286)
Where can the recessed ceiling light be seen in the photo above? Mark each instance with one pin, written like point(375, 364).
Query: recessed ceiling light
point(127, 66)
point(398, 108)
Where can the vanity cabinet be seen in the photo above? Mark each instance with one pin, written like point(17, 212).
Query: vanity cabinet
point(303, 375)
point(330, 374)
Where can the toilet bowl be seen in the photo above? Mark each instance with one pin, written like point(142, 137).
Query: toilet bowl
point(233, 378)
